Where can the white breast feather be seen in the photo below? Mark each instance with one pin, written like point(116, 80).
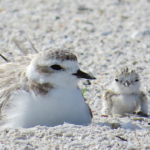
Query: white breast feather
point(53, 109)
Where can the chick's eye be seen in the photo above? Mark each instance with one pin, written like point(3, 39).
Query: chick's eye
point(136, 80)
point(116, 80)
point(56, 67)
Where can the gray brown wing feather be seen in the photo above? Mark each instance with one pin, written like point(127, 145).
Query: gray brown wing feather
point(144, 104)
point(108, 97)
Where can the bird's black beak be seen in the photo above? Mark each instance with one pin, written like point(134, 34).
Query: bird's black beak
point(81, 74)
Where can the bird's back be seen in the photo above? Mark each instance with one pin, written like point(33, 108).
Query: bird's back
point(12, 77)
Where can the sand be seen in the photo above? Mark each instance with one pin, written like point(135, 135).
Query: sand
point(105, 35)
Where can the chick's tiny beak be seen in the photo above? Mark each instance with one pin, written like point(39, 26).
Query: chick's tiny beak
point(81, 74)
point(126, 83)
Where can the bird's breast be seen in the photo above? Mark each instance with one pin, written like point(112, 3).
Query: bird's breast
point(57, 107)
point(126, 103)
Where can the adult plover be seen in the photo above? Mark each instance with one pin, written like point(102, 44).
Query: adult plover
point(41, 89)
point(125, 96)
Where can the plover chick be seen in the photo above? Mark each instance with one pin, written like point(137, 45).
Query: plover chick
point(125, 95)
point(41, 89)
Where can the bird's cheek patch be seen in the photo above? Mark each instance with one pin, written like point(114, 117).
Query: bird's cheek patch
point(44, 70)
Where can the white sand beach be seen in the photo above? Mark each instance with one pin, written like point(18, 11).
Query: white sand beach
point(105, 35)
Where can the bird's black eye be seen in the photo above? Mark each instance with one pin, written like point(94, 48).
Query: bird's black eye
point(56, 67)
point(116, 80)
point(136, 80)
